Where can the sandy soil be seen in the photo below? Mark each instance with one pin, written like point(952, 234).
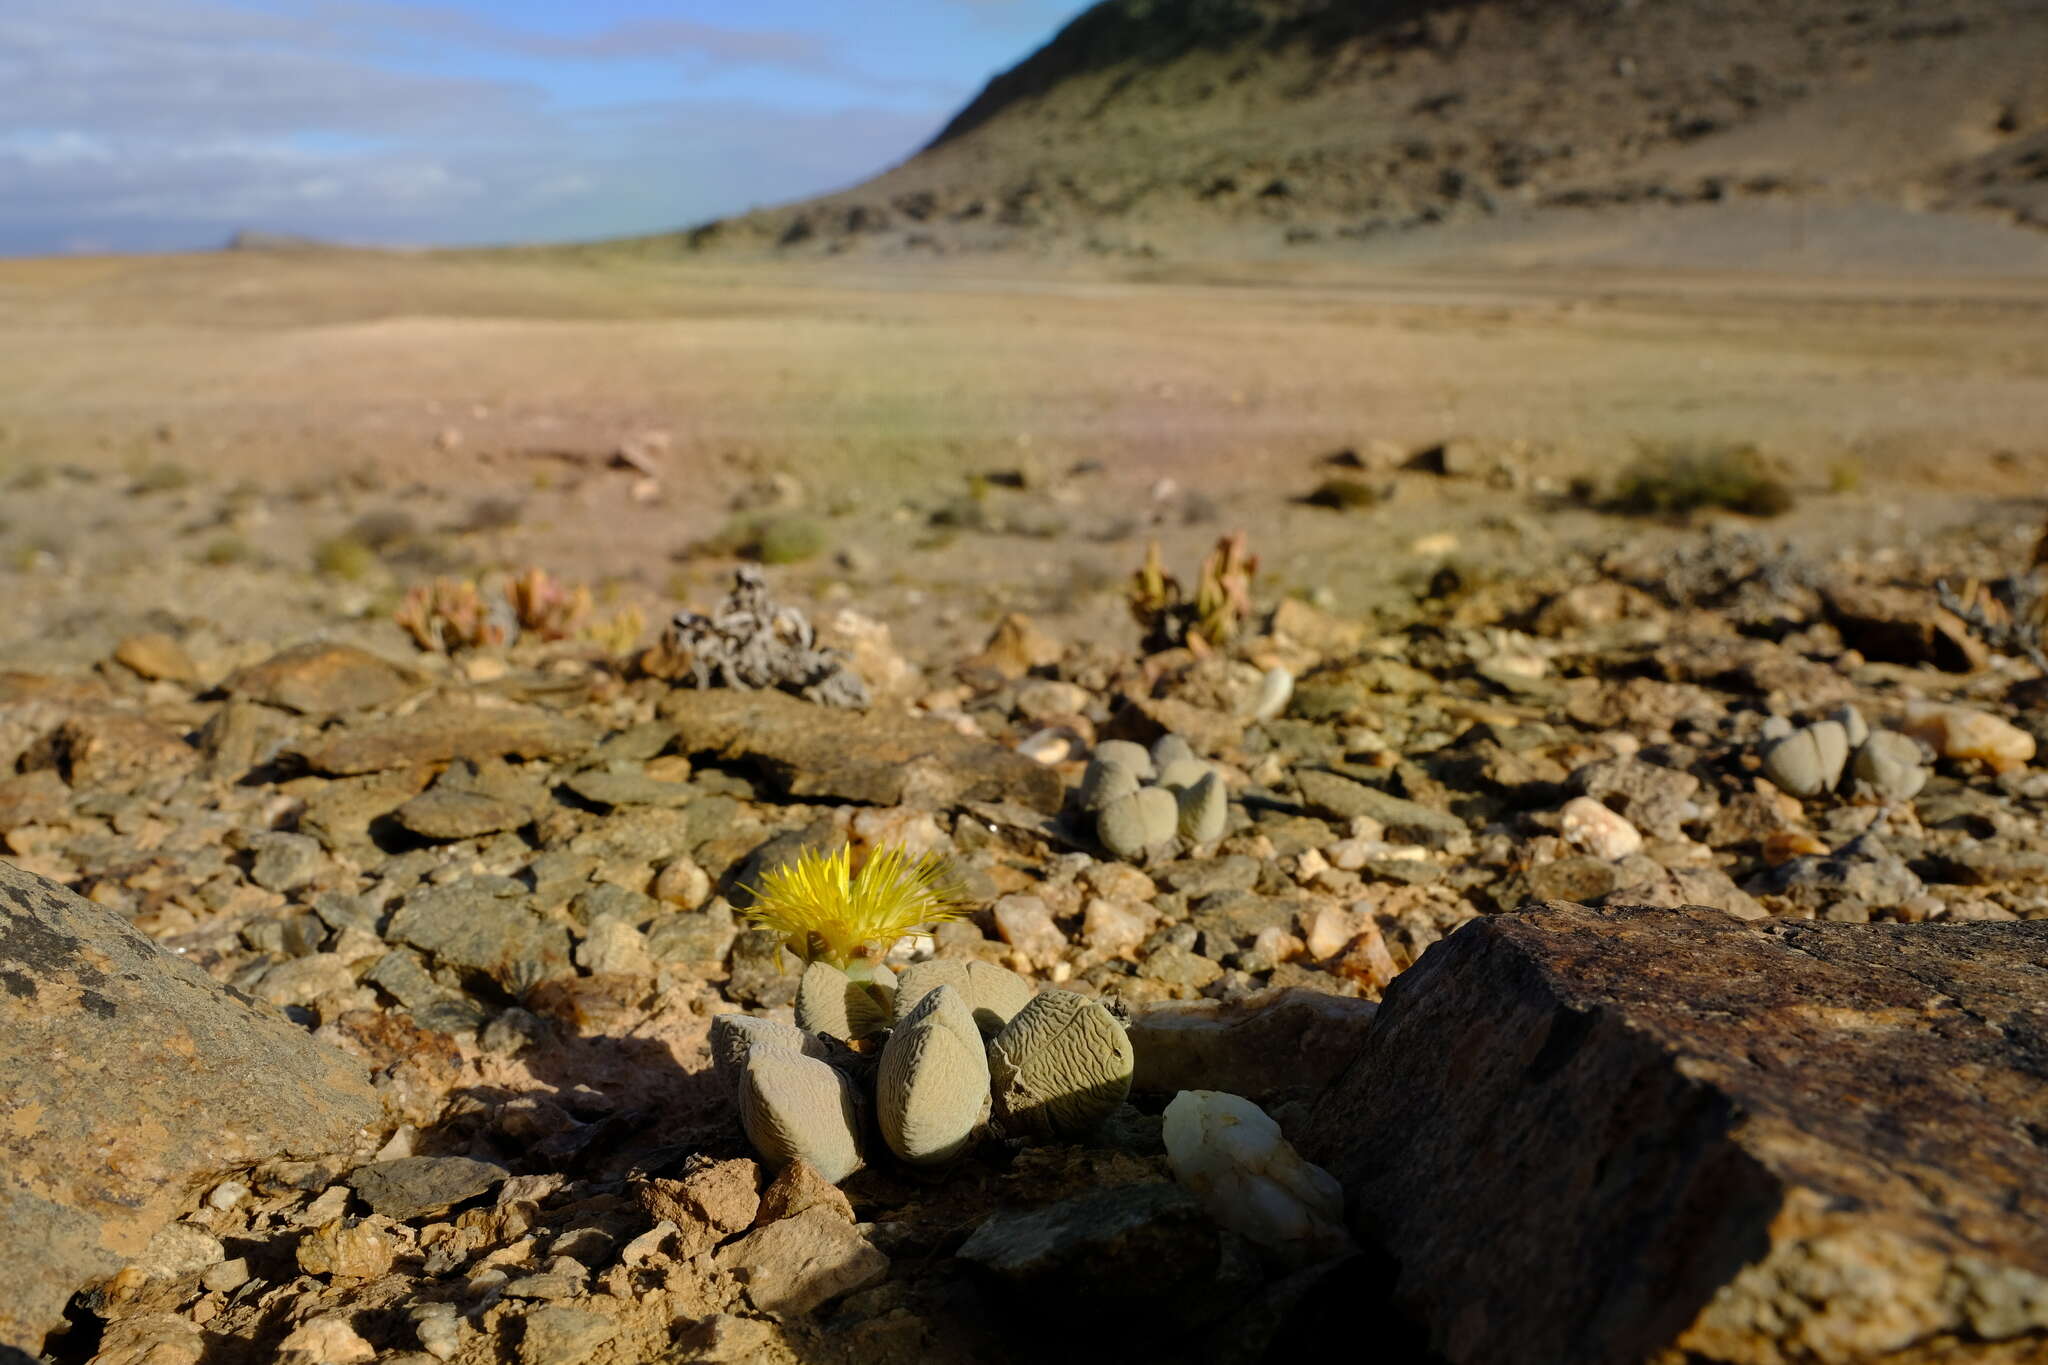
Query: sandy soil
point(317, 387)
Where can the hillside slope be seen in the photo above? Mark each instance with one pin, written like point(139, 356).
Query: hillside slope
point(1197, 127)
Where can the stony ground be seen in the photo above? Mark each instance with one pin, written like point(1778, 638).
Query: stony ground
point(505, 877)
point(506, 881)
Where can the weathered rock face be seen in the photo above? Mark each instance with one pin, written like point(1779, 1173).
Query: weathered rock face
point(128, 1081)
point(818, 751)
point(1626, 1134)
point(1280, 1045)
point(439, 734)
point(320, 678)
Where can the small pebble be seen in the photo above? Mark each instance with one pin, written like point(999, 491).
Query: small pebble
point(1590, 825)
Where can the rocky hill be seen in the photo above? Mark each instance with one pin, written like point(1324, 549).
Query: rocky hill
point(1248, 127)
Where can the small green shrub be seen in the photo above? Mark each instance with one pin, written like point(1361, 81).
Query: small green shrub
point(344, 557)
point(788, 540)
point(165, 476)
point(1671, 481)
point(225, 550)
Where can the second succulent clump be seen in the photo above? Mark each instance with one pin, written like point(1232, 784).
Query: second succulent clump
point(964, 1045)
point(1141, 799)
point(1880, 765)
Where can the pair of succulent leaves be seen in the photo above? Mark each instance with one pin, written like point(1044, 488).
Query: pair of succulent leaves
point(1812, 759)
point(1142, 798)
point(970, 1042)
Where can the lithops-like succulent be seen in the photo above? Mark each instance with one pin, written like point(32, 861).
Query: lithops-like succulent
point(1169, 749)
point(1232, 1156)
point(1183, 773)
point(1060, 1067)
point(1125, 754)
point(823, 911)
point(1204, 807)
point(932, 1088)
point(798, 1108)
point(1131, 824)
point(1107, 781)
point(833, 1003)
point(734, 1037)
point(1889, 767)
point(1809, 761)
point(993, 993)
point(1854, 727)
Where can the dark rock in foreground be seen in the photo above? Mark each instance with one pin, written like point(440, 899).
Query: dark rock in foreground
point(1626, 1134)
point(129, 1081)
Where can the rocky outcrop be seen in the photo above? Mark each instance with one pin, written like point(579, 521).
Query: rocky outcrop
point(1626, 1134)
point(129, 1081)
point(818, 751)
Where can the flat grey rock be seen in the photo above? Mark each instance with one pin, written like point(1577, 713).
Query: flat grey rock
point(602, 788)
point(128, 1080)
point(1339, 798)
point(412, 1186)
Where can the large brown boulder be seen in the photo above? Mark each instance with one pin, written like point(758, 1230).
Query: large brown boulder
point(1631, 1135)
point(129, 1082)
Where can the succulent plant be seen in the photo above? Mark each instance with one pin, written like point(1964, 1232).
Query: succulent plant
point(826, 913)
point(734, 1037)
point(1223, 594)
point(1233, 1157)
point(1126, 754)
point(1810, 760)
point(619, 633)
point(1221, 604)
point(1890, 767)
point(545, 607)
point(795, 1107)
point(1170, 749)
point(830, 1002)
point(1881, 765)
point(993, 993)
point(1110, 778)
point(1854, 727)
point(1187, 797)
point(1059, 1063)
point(1204, 809)
point(932, 1088)
point(1133, 823)
point(1060, 1067)
point(451, 615)
point(1182, 773)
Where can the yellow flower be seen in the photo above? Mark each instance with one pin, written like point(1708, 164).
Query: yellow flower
point(826, 914)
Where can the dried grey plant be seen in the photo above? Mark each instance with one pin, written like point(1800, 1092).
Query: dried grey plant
point(752, 642)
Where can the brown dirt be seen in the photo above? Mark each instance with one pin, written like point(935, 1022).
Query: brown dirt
point(328, 385)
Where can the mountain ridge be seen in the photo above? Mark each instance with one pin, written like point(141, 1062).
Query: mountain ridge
point(1191, 128)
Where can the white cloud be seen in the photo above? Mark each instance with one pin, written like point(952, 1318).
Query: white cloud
point(148, 124)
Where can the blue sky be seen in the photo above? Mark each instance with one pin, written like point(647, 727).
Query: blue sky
point(138, 125)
